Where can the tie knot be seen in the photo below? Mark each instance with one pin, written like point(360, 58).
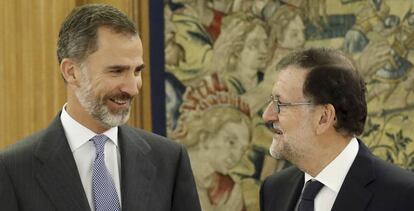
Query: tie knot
point(312, 188)
point(99, 142)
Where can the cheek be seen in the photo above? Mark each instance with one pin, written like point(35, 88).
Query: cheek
point(97, 90)
point(283, 118)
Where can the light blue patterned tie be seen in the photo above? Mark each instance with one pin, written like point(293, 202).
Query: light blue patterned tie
point(104, 192)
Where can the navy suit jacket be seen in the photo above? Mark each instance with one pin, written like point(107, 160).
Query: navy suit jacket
point(371, 184)
point(40, 174)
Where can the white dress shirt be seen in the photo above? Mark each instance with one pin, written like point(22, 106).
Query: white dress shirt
point(83, 151)
point(333, 175)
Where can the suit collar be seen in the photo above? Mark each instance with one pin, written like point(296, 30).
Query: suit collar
point(353, 194)
point(57, 173)
point(290, 191)
point(77, 134)
point(137, 171)
point(296, 189)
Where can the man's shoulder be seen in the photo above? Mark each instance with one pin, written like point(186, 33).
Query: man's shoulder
point(21, 152)
point(392, 174)
point(23, 146)
point(386, 181)
point(383, 171)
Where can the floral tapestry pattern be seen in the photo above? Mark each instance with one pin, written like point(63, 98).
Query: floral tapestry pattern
point(220, 68)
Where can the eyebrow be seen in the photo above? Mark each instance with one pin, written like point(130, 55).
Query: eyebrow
point(140, 67)
point(123, 67)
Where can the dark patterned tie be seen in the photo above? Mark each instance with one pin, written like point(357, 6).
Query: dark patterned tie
point(104, 192)
point(312, 188)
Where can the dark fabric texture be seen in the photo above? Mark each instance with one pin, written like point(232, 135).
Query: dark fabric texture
point(312, 188)
point(370, 185)
point(39, 173)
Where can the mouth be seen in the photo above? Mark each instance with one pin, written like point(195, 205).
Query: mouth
point(120, 102)
point(274, 128)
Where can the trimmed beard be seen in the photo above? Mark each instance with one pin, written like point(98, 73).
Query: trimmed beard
point(292, 147)
point(96, 107)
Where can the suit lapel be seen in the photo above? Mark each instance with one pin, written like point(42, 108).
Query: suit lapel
point(291, 192)
point(57, 173)
point(137, 171)
point(296, 188)
point(353, 194)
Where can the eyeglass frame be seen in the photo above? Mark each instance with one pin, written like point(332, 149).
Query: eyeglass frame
point(278, 104)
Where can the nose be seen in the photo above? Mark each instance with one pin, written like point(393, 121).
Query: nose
point(132, 84)
point(270, 114)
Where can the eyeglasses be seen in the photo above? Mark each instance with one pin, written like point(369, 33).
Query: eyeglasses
point(278, 104)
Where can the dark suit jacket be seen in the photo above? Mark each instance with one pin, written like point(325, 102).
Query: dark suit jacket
point(40, 174)
point(371, 184)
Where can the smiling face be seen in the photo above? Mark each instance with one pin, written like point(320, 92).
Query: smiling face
point(109, 79)
point(292, 127)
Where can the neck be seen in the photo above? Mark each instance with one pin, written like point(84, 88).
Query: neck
point(78, 113)
point(322, 153)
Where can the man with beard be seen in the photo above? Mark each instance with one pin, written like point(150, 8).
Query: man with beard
point(317, 109)
point(87, 159)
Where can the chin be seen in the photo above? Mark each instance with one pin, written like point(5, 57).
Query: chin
point(274, 149)
point(114, 120)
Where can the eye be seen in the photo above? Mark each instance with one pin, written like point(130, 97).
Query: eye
point(139, 69)
point(137, 72)
point(117, 71)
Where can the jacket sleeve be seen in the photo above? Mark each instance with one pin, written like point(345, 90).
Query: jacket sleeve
point(7, 195)
point(185, 192)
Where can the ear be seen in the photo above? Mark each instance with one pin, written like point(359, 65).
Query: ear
point(70, 71)
point(326, 119)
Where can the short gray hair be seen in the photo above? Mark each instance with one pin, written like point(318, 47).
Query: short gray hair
point(78, 33)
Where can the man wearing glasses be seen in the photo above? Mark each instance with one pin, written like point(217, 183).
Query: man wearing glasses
point(316, 110)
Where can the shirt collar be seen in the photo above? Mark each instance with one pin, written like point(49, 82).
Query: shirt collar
point(333, 175)
point(77, 134)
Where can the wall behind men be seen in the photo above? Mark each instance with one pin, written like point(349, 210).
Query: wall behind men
point(32, 91)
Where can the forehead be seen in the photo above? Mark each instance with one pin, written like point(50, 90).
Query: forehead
point(108, 38)
point(117, 48)
point(289, 83)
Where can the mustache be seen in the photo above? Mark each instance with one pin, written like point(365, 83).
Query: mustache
point(272, 127)
point(120, 96)
point(269, 125)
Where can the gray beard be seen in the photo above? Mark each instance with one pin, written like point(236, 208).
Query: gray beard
point(96, 108)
